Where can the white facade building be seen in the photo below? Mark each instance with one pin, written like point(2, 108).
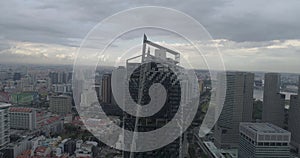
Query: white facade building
point(22, 118)
point(263, 140)
point(4, 124)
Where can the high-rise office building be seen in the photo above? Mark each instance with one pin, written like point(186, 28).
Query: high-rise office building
point(237, 108)
point(62, 88)
point(69, 77)
point(106, 91)
point(294, 119)
point(273, 101)
point(17, 76)
point(62, 77)
point(59, 77)
point(201, 86)
point(60, 104)
point(22, 118)
point(142, 76)
point(263, 140)
point(4, 75)
point(77, 95)
point(70, 147)
point(53, 77)
point(4, 124)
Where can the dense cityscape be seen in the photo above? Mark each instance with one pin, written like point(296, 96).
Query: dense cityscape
point(149, 79)
point(39, 118)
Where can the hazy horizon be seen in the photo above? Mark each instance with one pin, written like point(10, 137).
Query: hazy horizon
point(252, 36)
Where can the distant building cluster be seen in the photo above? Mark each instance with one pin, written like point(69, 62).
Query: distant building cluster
point(26, 87)
point(56, 147)
point(237, 134)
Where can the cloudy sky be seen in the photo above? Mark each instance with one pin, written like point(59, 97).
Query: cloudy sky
point(253, 35)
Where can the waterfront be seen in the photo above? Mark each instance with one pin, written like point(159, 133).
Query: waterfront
point(258, 94)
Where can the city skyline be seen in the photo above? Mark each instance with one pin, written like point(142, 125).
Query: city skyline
point(41, 102)
point(139, 79)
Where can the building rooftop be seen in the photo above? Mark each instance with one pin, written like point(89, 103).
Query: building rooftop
point(4, 105)
point(20, 109)
point(265, 128)
point(220, 153)
point(41, 149)
point(61, 97)
point(265, 132)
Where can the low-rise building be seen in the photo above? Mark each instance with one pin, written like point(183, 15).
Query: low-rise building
point(18, 148)
point(60, 104)
point(263, 140)
point(22, 118)
point(86, 149)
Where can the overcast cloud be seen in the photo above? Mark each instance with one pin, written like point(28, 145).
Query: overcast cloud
point(254, 35)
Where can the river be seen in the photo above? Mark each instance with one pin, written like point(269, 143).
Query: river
point(258, 94)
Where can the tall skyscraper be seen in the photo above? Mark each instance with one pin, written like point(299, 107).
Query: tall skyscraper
point(237, 108)
point(17, 76)
point(62, 77)
point(294, 119)
point(4, 124)
point(69, 77)
point(53, 77)
point(60, 104)
point(59, 77)
point(106, 91)
point(143, 75)
point(263, 140)
point(273, 101)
